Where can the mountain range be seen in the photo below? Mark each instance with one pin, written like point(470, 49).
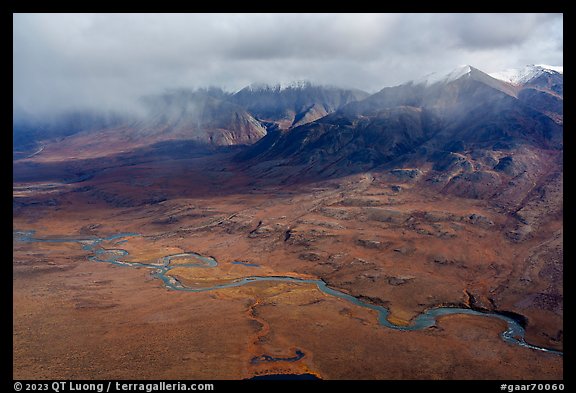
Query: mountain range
point(438, 119)
point(210, 117)
point(464, 122)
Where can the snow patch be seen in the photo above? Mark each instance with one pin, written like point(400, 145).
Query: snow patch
point(296, 85)
point(520, 76)
point(443, 77)
point(303, 84)
point(558, 69)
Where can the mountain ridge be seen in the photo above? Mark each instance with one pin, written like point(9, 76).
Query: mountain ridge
point(217, 118)
point(422, 124)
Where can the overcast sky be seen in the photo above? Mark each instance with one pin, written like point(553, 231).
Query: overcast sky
point(73, 60)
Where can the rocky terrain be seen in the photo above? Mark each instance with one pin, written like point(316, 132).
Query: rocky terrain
point(296, 104)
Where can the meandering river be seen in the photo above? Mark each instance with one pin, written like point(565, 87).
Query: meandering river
point(514, 333)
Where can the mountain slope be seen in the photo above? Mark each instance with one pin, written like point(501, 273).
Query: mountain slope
point(466, 109)
point(295, 104)
point(541, 87)
point(201, 117)
point(524, 75)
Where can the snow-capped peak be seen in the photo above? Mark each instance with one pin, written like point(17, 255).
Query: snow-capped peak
point(261, 87)
point(519, 76)
point(444, 77)
point(302, 84)
point(296, 85)
point(558, 69)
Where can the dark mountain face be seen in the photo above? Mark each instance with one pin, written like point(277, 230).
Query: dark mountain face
point(545, 94)
point(338, 144)
point(551, 81)
point(294, 105)
point(461, 128)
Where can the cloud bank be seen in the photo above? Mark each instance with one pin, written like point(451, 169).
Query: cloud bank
point(67, 61)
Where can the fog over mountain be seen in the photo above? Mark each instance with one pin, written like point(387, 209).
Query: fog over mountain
point(106, 61)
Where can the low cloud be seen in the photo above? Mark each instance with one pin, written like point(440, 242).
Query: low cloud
point(66, 61)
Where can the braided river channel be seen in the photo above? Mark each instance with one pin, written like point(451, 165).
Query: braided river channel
point(514, 333)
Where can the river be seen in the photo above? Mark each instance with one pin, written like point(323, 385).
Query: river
point(514, 333)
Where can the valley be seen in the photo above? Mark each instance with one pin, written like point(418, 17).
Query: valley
point(389, 244)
